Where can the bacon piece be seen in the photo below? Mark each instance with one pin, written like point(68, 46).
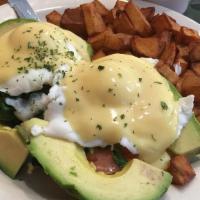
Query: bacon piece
point(181, 170)
point(102, 158)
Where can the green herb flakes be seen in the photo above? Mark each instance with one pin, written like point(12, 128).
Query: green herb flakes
point(163, 105)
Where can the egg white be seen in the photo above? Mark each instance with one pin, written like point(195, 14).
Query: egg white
point(59, 127)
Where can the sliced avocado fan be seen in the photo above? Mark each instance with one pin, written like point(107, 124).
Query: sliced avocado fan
point(67, 164)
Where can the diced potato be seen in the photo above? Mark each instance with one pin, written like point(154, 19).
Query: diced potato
point(101, 9)
point(126, 38)
point(196, 110)
point(195, 53)
point(167, 72)
point(148, 12)
point(54, 17)
point(111, 16)
point(120, 5)
point(166, 37)
point(191, 85)
point(113, 43)
point(149, 47)
point(93, 20)
point(72, 20)
point(181, 170)
point(122, 24)
point(163, 22)
point(182, 52)
point(179, 84)
point(169, 54)
point(141, 25)
point(189, 35)
point(97, 41)
point(196, 68)
point(181, 63)
point(98, 54)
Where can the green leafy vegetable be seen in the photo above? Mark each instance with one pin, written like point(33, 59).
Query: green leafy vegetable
point(119, 158)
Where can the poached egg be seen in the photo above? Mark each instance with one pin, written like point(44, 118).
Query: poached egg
point(116, 99)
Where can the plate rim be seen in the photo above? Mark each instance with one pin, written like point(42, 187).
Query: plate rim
point(6, 12)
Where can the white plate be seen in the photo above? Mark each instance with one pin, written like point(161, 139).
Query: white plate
point(40, 187)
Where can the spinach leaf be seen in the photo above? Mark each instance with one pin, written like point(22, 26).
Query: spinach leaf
point(119, 158)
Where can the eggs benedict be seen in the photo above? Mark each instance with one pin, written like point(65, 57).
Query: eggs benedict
point(118, 99)
point(34, 55)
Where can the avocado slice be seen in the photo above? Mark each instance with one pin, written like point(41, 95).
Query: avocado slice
point(67, 164)
point(13, 152)
point(12, 23)
point(189, 141)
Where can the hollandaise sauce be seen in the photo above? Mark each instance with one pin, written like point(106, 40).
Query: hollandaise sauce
point(115, 99)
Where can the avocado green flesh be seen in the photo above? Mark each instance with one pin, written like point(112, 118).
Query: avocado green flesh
point(189, 141)
point(67, 164)
point(12, 23)
point(13, 152)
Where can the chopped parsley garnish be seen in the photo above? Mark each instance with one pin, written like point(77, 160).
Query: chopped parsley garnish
point(157, 82)
point(125, 125)
point(77, 99)
point(140, 79)
point(110, 89)
point(73, 172)
point(101, 67)
point(119, 75)
point(163, 105)
point(119, 158)
point(153, 138)
point(98, 126)
point(122, 116)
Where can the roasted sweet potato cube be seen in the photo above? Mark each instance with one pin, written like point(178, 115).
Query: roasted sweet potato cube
point(149, 47)
point(120, 5)
point(93, 21)
point(148, 12)
point(122, 24)
point(181, 170)
point(191, 85)
point(195, 53)
point(54, 17)
point(182, 52)
point(163, 22)
point(98, 54)
point(189, 35)
point(141, 25)
point(101, 9)
point(180, 66)
point(167, 72)
point(196, 68)
point(72, 20)
point(169, 54)
point(98, 40)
